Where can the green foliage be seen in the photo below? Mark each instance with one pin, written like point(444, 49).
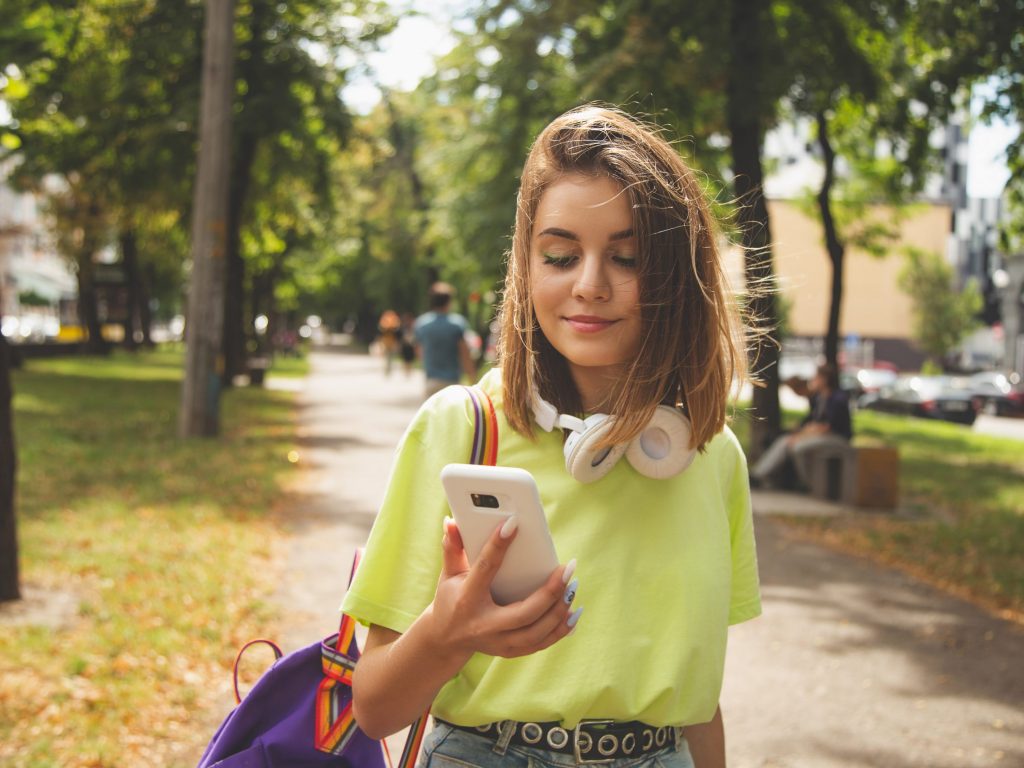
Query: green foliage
point(345, 216)
point(1011, 232)
point(942, 315)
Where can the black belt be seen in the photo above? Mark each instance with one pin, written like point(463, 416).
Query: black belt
point(592, 741)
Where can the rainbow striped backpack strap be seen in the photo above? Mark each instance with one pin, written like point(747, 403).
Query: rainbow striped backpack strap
point(335, 728)
point(485, 428)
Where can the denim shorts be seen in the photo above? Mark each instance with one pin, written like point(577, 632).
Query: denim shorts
point(447, 747)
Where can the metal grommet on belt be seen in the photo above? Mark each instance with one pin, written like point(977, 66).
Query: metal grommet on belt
point(589, 742)
point(532, 733)
point(628, 744)
point(558, 738)
point(648, 739)
point(608, 745)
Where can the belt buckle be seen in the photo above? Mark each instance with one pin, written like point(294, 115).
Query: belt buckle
point(578, 750)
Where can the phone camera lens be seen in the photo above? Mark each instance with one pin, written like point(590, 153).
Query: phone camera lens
point(485, 500)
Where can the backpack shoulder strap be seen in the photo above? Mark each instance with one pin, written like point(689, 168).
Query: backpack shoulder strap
point(485, 428)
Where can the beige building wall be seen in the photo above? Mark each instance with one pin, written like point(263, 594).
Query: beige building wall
point(873, 304)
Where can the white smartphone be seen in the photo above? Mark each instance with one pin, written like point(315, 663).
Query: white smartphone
point(481, 498)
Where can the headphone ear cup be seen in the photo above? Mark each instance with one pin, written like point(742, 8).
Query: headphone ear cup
point(583, 460)
point(663, 448)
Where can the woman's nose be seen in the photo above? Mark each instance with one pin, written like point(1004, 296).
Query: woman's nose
point(592, 280)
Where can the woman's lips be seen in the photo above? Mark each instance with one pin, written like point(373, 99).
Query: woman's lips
point(589, 323)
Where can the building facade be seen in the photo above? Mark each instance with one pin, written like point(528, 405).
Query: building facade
point(36, 283)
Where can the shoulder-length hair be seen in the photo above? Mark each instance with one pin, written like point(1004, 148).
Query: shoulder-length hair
point(691, 346)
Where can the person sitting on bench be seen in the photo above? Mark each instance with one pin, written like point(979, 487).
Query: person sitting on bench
point(827, 423)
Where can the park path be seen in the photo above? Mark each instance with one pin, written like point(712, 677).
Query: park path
point(851, 664)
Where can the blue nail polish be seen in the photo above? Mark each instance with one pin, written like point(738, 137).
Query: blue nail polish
point(570, 592)
point(574, 617)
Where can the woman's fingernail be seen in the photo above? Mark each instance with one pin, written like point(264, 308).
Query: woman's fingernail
point(574, 617)
point(509, 527)
point(447, 521)
point(570, 592)
point(570, 569)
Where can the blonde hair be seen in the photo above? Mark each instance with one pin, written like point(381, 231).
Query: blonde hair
point(690, 348)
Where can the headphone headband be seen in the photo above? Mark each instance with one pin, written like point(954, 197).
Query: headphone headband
point(660, 451)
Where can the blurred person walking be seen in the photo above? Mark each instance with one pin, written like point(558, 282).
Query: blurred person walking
point(389, 327)
point(441, 340)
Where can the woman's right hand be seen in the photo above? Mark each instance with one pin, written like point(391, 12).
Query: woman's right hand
point(464, 618)
point(399, 676)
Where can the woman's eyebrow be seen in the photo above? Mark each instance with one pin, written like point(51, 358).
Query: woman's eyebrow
point(624, 234)
point(563, 233)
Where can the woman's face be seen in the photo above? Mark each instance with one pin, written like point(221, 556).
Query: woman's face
point(583, 277)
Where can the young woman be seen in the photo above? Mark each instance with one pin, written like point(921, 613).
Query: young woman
point(615, 303)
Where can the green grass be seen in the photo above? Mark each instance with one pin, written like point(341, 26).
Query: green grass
point(961, 519)
point(290, 367)
point(166, 546)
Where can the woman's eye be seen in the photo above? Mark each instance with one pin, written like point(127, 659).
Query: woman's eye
point(624, 261)
point(559, 260)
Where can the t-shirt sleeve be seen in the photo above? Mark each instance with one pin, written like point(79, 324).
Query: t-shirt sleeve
point(398, 573)
point(745, 597)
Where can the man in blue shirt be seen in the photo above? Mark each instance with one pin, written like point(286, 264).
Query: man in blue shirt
point(441, 341)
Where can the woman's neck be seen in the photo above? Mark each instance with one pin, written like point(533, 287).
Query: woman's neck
point(598, 389)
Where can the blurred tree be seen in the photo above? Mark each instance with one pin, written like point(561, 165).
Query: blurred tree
point(94, 102)
point(955, 45)
point(848, 58)
point(81, 216)
point(494, 92)
point(957, 48)
point(942, 314)
point(10, 588)
point(288, 105)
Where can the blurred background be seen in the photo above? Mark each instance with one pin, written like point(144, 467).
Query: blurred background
point(376, 148)
point(864, 159)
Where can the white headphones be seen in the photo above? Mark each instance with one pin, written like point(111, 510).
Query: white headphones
point(660, 451)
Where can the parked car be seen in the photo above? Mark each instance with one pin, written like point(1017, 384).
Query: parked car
point(996, 394)
point(930, 397)
point(861, 381)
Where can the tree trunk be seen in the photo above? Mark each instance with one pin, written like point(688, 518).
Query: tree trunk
point(130, 262)
point(88, 306)
point(746, 129)
point(9, 580)
point(235, 330)
point(263, 304)
point(836, 248)
point(145, 312)
point(204, 361)
point(405, 143)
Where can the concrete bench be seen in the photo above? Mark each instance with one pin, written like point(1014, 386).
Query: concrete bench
point(860, 475)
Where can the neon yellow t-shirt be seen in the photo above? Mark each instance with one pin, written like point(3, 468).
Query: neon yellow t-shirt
point(664, 566)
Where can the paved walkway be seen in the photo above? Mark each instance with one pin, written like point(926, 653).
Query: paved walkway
point(851, 665)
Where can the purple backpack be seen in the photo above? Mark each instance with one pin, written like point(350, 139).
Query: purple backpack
point(299, 713)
